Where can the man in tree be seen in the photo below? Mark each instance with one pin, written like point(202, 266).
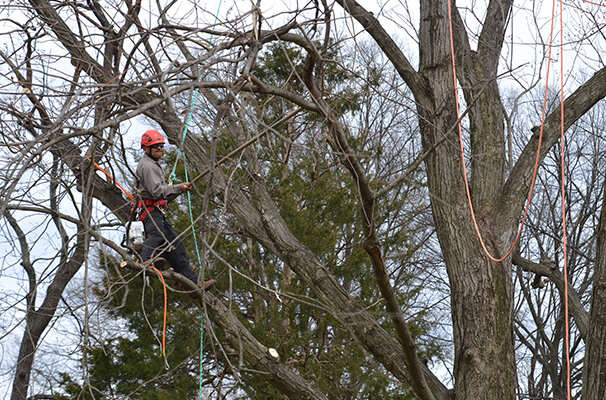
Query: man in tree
point(156, 194)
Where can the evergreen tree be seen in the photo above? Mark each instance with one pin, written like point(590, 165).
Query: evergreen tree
point(271, 301)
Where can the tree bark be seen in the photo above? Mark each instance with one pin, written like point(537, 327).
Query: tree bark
point(37, 320)
point(481, 289)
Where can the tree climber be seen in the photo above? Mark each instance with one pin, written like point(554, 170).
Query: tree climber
point(160, 237)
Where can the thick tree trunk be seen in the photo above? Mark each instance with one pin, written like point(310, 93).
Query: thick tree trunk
point(481, 302)
point(481, 290)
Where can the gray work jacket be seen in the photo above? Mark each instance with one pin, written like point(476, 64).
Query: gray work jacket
point(151, 181)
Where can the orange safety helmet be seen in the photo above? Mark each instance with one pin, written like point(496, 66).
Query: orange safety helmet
point(151, 137)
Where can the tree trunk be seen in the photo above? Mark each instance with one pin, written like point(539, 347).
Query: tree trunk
point(38, 320)
point(481, 289)
point(481, 302)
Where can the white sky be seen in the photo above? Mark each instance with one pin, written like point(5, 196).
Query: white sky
point(527, 52)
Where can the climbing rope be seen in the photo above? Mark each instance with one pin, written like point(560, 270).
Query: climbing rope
point(467, 189)
point(562, 167)
point(165, 308)
point(181, 154)
point(130, 196)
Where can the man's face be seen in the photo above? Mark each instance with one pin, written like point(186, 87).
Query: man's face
point(156, 151)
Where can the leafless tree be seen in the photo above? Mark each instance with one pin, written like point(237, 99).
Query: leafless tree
point(540, 326)
point(76, 77)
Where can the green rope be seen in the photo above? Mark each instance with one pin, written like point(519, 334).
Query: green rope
point(191, 216)
point(181, 154)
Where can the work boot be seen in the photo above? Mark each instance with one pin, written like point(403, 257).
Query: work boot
point(204, 286)
point(207, 284)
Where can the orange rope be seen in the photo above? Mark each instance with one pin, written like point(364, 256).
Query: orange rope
point(595, 4)
point(562, 144)
point(563, 193)
point(467, 190)
point(165, 307)
point(564, 242)
point(130, 196)
point(536, 166)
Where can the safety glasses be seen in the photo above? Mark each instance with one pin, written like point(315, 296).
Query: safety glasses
point(156, 146)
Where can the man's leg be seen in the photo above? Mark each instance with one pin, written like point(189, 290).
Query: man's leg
point(178, 258)
point(180, 261)
point(153, 237)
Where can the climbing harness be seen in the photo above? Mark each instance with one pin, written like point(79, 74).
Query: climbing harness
point(141, 208)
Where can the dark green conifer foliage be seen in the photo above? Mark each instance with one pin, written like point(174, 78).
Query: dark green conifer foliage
point(130, 364)
point(315, 197)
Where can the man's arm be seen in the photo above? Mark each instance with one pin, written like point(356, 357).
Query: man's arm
point(184, 186)
point(153, 182)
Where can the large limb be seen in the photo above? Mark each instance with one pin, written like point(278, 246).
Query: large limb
point(372, 245)
point(256, 355)
point(477, 73)
point(516, 189)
